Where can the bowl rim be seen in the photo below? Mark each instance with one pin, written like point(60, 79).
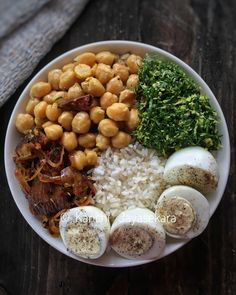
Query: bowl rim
point(92, 46)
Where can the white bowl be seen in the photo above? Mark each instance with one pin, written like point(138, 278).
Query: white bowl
point(13, 137)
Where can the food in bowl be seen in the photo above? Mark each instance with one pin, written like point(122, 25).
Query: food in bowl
point(103, 122)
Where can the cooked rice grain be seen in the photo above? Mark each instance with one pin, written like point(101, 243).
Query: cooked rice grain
point(128, 178)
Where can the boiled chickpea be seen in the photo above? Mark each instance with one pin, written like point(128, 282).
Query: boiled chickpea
point(46, 124)
point(127, 97)
point(87, 58)
point(133, 62)
point(107, 99)
point(133, 121)
point(78, 160)
point(59, 95)
point(82, 71)
point(115, 85)
point(93, 86)
point(105, 57)
point(108, 127)
point(69, 141)
point(49, 98)
point(40, 110)
point(65, 119)
point(24, 122)
point(67, 79)
point(69, 66)
point(91, 157)
point(102, 142)
point(87, 140)
point(54, 78)
point(40, 89)
point(121, 140)
point(97, 114)
point(53, 132)
point(104, 73)
point(75, 91)
point(53, 112)
point(93, 69)
point(31, 105)
point(39, 122)
point(118, 112)
point(81, 123)
point(122, 71)
point(132, 81)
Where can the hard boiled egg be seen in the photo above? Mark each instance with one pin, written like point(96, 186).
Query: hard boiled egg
point(135, 234)
point(183, 211)
point(85, 231)
point(193, 166)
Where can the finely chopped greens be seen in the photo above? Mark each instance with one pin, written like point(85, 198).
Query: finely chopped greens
point(173, 113)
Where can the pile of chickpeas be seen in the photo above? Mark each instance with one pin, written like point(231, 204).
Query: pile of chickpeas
point(111, 80)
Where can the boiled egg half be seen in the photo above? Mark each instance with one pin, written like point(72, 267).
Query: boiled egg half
point(85, 231)
point(135, 234)
point(192, 166)
point(183, 211)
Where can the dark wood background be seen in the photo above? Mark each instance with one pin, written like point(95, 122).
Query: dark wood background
point(202, 33)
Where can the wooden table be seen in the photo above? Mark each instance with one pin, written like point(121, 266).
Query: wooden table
point(203, 34)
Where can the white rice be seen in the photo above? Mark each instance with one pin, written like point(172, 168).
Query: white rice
point(128, 178)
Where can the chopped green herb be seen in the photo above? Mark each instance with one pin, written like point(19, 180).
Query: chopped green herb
point(173, 112)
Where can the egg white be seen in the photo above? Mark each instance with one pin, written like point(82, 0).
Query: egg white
point(136, 219)
point(193, 166)
point(96, 229)
point(199, 204)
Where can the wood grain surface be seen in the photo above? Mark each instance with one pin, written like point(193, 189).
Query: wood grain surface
point(202, 33)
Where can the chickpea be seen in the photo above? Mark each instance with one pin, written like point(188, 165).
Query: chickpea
point(97, 114)
point(93, 86)
point(40, 89)
point(87, 58)
point(133, 121)
point(39, 122)
point(31, 105)
point(87, 140)
point(69, 66)
point(105, 57)
point(53, 112)
point(91, 157)
point(121, 140)
point(81, 123)
point(46, 124)
point(118, 112)
point(104, 73)
point(65, 119)
point(59, 95)
point(132, 81)
point(127, 97)
point(67, 79)
point(93, 69)
point(54, 78)
point(82, 71)
point(78, 160)
point(107, 99)
point(53, 132)
point(75, 91)
point(108, 127)
point(102, 142)
point(115, 85)
point(49, 98)
point(122, 71)
point(40, 110)
point(24, 122)
point(133, 62)
point(69, 141)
